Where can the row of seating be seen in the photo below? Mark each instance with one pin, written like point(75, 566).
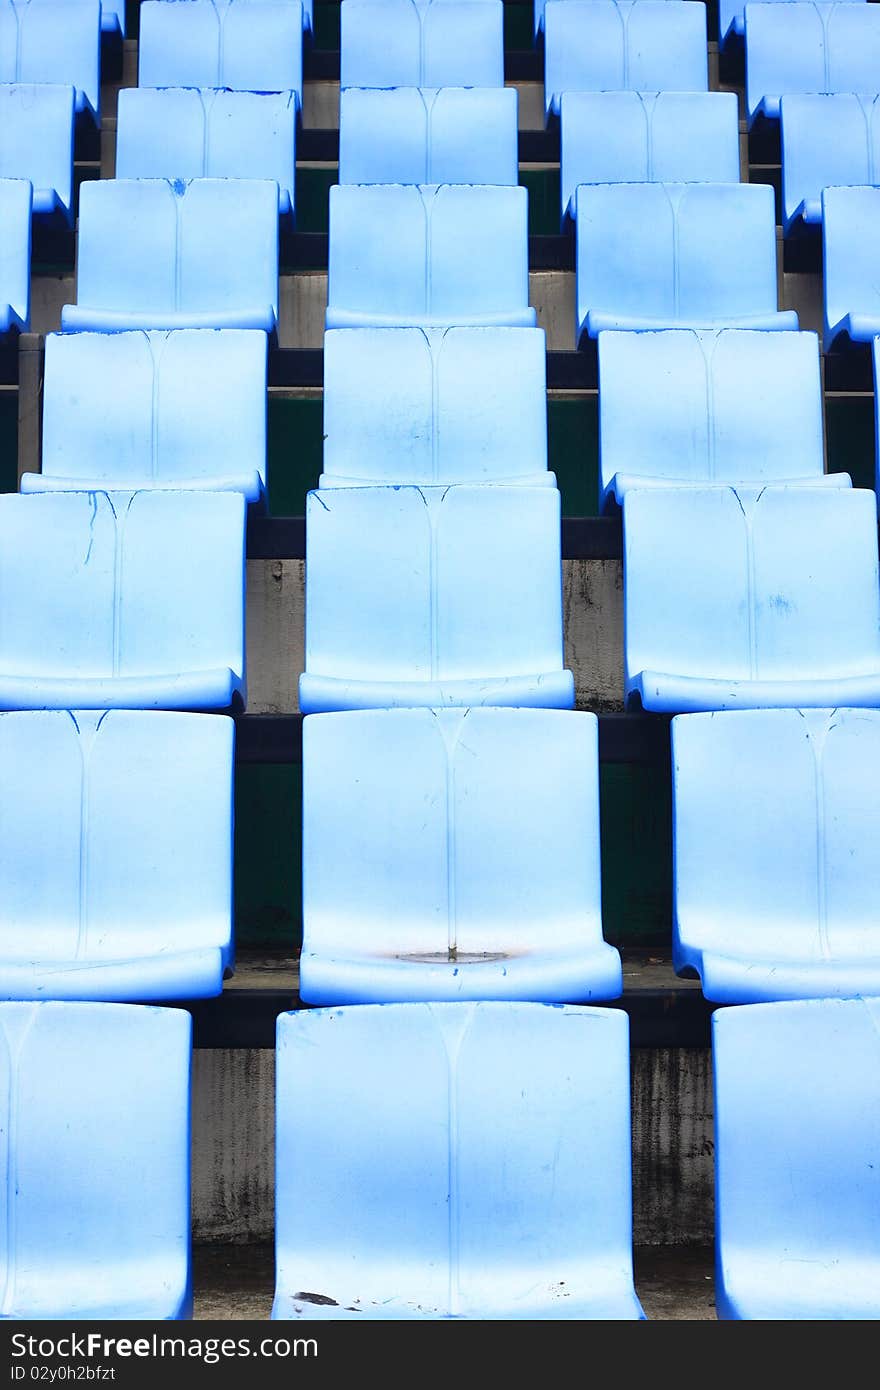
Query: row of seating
point(478, 1165)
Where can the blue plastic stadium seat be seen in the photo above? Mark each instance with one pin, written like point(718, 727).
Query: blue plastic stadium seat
point(154, 410)
point(428, 256)
point(797, 1160)
point(433, 596)
point(53, 41)
point(455, 405)
point(457, 1161)
point(738, 598)
point(471, 866)
point(777, 815)
point(826, 141)
point(850, 224)
point(725, 406)
point(421, 43)
point(623, 45)
point(243, 45)
point(15, 254)
point(115, 854)
point(731, 19)
point(800, 46)
point(96, 1162)
point(36, 142)
point(160, 253)
point(185, 133)
point(113, 17)
point(413, 135)
point(122, 600)
point(651, 255)
point(647, 137)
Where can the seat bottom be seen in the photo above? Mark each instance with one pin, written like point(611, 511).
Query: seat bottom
point(605, 1303)
point(217, 689)
point(77, 318)
point(622, 483)
point(249, 483)
point(176, 975)
point(323, 694)
point(331, 480)
point(676, 694)
point(597, 320)
point(524, 317)
point(738, 980)
point(859, 328)
point(587, 976)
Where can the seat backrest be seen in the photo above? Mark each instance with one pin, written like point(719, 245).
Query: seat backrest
point(803, 46)
point(96, 1161)
point(773, 584)
point(647, 137)
point(777, 815)
point(116, 829)
point(159, 247)
point(405, 405)
point(850, 221)
point(121, 584)
point(487, 1169)
point(462, 828)
point(413, 135)
point(721, 406)
point(130, 407)
point(797, 1158)
point(404, 43)
point(652, 251)
point(53, 41)
point(826, 141)
point(453, 253)
point(36, 140)
point(185, 133)
point(436, 583)
point(623, 45)
point(731, 18)
point(15, 252)
point(244, 45)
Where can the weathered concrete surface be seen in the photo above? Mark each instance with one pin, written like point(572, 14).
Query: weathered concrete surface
point(592, 616)
point(233, 1151)
point(673, 1146)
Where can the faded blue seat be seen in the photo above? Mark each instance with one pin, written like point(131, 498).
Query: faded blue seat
point(749, 598)
point(97, 1162)
point(724, 406)
point(113, 17)
point(154, 410)
point(649, 255)
point(122, 600)
point(826, 141)
point(444, 893)
point(54, 41)
point(850, 224)
point(15, 254)
point(116, 854)
point(433, 596)
point(800, 46)
point(243, 45)
point(413, 135)
point(731, 19)
point(485, 1175)
point(647, 137)
point(428, 256)
point(36, 142)
point(421, 43)
point(187, 133)
point(623, 45)
point(797, 1160)
point(777, 818)
point(454, 405)
point(157, 253)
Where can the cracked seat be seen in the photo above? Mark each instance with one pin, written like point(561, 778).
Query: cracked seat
point(428, 136)
point(122, 600)
point(115, 854)
point(36, 143)
point(495, 1157)
point(15, 254)
point(240, 45)
point(850, 218)
point(777, 814)
point(739, 598)
point(827, 141)
point(421, 43)
point(433, 596)
point(797, 1160)
point(181, 410)
point(472, 859)
point(95, 1162)
point(53, 41)
point(423, 406)
point(801, 46)
point(160, 253)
